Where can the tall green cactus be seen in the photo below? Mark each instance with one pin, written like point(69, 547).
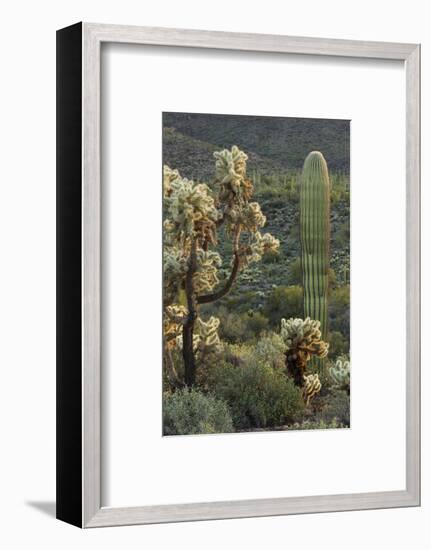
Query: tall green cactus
point(314, 229)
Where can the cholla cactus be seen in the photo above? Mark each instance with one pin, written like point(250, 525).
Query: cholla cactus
point(194, 211)
point(303, 340)
point(262, 245)
point(206, 276)
point(205, 339)
point(168, 177)
point(340, 373)
point(230, 169)
point(174, 271)
point(312, 386)
point(209, 338)
point(190, 206)
point(173, 318)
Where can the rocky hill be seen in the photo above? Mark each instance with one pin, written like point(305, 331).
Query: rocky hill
point(286, 141)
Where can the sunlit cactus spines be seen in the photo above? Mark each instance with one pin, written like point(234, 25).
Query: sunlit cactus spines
point(206, 276)
point(173, 319)
point(194, 212)
point(190, 205)
point(311, 387)
point(303, 340)
point(251, 217)
point(205, 337)
point(230, 167)
point(168, 177)
point(261, 245)
point(208, 334)
point(339, 373)
point(315, 235)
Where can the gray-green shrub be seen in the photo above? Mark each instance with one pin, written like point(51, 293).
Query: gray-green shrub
point(258, 395)
point(336, 406)
point(271, 348)
point(317, 425)
point(189, 411)
point(284, 302)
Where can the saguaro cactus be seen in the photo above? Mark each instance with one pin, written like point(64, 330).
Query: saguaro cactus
point(314, 230)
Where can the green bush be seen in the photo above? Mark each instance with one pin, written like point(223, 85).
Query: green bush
point(238, 327)
point(338, 345)
point(342, 235)
point(336, 407)
point(241, 301)
point(317, 425)
point(270, 349)
point(284, 302)
point(272, 257)
point(258, 395)
point(339, 311)
point(256, 323)
point(192, 412)
point(294, 273)
point(233, 326)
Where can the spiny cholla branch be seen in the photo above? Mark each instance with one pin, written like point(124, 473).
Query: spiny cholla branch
point(303, 340)
point(194, 213)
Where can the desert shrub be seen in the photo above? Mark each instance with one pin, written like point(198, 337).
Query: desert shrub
point(295, 272)
point(270, 349)
point(332, 280)
point(235, 354)
point(339, 310)
point(258, 395)
point(240, 302)
point(193, 412)
point(237, 327)
point(233, 326)
point(317, 425)
point(342, 235)
point(336, 406)
point(256, 323)
point(284, 302)
point(272, 257)
point(338, 345)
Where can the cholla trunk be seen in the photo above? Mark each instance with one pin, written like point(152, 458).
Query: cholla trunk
point(295, 370)
point(189, 325)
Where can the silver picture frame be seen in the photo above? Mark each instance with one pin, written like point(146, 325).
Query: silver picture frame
point(79, 274)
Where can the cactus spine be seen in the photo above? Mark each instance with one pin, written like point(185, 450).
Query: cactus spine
point(314, 230)
point(339, 374)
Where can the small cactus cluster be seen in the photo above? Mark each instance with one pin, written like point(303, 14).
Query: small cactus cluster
point(312, 387)
point(205, 339)
point(263, 244)
point(303, 340)
point(191, 207)
point(339, 373)
point(230, 170)
point(209, 339)
point(173, 324)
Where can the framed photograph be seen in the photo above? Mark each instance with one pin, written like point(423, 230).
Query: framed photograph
point(238, 259)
